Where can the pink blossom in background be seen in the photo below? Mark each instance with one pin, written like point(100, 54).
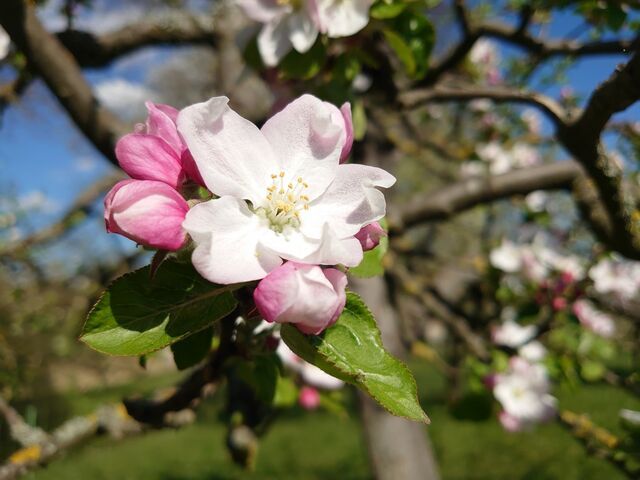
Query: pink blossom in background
point(369, 236)
point(308, 296)
point(523, 391)
point(148, 212)
point(309, 398)
point(593, 319)
point(304, 205)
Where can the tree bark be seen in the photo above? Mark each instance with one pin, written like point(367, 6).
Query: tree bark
point(398, 448)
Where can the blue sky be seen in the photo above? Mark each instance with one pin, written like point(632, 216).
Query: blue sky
point(42, 151)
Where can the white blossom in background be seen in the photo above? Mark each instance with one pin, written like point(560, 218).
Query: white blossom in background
point(507, 257)
point(5, 44)
point(537, 200)
point(593, 319)
point(481, 105)
point(616, 276)
point(533, 351)
point(472, 169)
point(310, 374)
point(486, 58)
point(532, 120)
point(362, 82)
point(499, 160)
point(512, 334)
point(523, 392)
point(524, 155)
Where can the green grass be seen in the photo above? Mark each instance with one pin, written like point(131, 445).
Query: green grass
point(319, 445)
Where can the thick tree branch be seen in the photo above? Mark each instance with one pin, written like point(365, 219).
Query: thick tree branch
point(171, 29)
point(549, 106)
point(48, 58)
point(452, 199)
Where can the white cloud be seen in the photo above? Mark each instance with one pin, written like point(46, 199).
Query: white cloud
point(125, 98)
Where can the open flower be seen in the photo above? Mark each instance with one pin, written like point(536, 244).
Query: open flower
point(287, 24)
point(305, 295)
point(593, 319)
point(342, 18)
point(523, 392)
point(283, 193)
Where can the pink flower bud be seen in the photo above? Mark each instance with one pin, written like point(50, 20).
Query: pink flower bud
point(309, 398)
point(370, 235)
point(146, 211)
point(559, 303)
point(308, 296)
point(156, 150)
point(345, 109)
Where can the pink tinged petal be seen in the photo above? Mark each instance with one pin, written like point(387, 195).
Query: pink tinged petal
point(148, 212)
point(342, 19)
point(307, 137)
point(369, 236)
point(509, 422)
point(274, 42)
point(230, 152)
point(302, 295)
point(302, 31)
point(191, 169)
point(227, 234)
point(350, 202)
point(169, 111)
point(345, 109)
point(263, 11)
point(146, 157)
point(309, 398)
point(161, 125)
point(339, 281)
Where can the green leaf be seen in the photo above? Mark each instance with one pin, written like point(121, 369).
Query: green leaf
point(359, 120)
point(383, 10)
point(191, 350)
point(352, 350)
point(592, 371)
point(418, 34)
point(286, 393)
point(371, 265)
point(303, 66)
point(403, 51)
point(137, 315)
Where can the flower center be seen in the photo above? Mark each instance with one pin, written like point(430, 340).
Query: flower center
point(285, 202)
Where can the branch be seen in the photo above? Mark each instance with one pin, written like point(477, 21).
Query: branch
point(93, 50)
point(48, 58)
point(78, 211)
point(415, 98)
point(460, 196)
point(582, 139)
point(188, 394)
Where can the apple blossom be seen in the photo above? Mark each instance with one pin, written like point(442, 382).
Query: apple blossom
point(342, 18)
point(305, 295)
point(146, 211)
point(533, 351)
point(309, 398)
point(282, 193)
point(523, 392)
point(310, 374)
point(369, 236)
point(345, 109)
point(593, 319)
point(616, 276)
point(155, 150)
point(5, 43)
point(512, 334)
point(287, 24)
point(507, 257)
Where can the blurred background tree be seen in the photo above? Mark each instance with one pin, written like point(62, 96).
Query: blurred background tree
point(513, 234)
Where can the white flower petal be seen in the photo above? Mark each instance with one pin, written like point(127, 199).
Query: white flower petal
point(232, 155)
point(263, 11)
point(302, 31)
point(340, 18)
point(307, 137)
point(274, 42)
point(349, 203)
point(227, 234)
